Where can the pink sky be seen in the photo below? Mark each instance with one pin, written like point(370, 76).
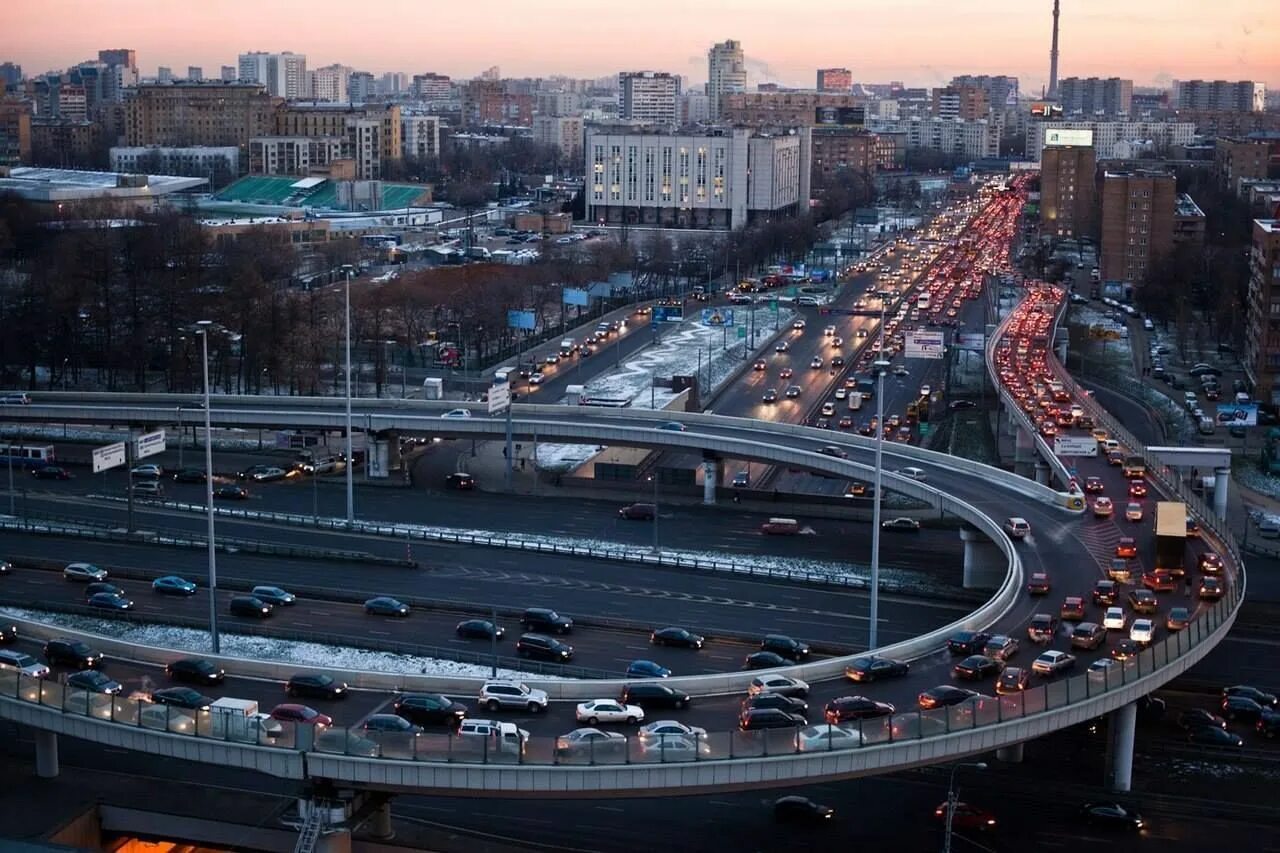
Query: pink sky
point(921, 42)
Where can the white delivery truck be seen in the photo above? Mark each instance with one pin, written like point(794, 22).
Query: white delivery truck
point(567, 347)
point(855, 400)
point(240, 720)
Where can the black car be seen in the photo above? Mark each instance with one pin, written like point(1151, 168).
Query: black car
point(429, 709)
point(231, 492)
point(479, 629)
point(1240, 708)
point(546, 619)
point(1111, 815)
point(249, 605)
point(977, 667)
point(189, 475)
point(794, 809)
point(856, 708)
point(51, 472)
point(461, 481)
point(316, 686)
point(101, 586)
point(654, 696)
point(195, 671)
point(1208, 736)
point(390, 724)
point(1198, 718)
point(676, 637)
point(94, 682)
point(764, 660)
point(1267, 700)
point(1105, 593)
point(777, 701)
point(944, 695)
point(543, 647)
point(109, 601)
point(1268, 724)
point(182, 697)
point(967, 642)
point(874, 668)
point(753, 719)
point(785, 646)
point(8, 633)
point(72, 653)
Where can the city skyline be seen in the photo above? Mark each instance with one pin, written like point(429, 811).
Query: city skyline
point(577, 39)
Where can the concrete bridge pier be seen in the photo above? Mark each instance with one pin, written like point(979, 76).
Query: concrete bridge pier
point(46, 754)
point(984, 564)
point(379, 825)
point(1221, 482)
point(1011, 754)
point(1121, 726)
point(1042, 473)
point(1024, 453)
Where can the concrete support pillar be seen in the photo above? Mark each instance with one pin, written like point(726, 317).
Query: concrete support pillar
point(379, 825)
point(1120, 770)
point(46, 754)
point(377, 455)
point(1010, 754)
point(984, 564)
point(1042, 473)
point(394, 460)
point(1024, 453)
point(334, 841)
point(710, 480)
point(1221, 482)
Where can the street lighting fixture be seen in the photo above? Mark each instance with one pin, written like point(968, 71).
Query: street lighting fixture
point(882, 366)
point(953, 798)
point(203, 328)
point(351, 495)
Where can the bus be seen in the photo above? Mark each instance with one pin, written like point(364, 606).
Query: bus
point(1135, 467)
point(922, 302)
point(26, 455)
point(1171, 536)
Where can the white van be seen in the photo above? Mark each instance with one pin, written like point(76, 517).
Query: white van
point(1148, 325)
point(1269, 527)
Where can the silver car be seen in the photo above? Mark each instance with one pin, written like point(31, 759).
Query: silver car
point(495, 695)
point(84, 572)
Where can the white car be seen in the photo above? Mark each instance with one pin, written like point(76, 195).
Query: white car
point(1017, 528)
point(842, 393)
point(265, 474)
point(783, 684)
point(1142, 631)
point(816, 362)
point(1114, 619)
point(798, 324)
point(925, 390)
point(24, 663)
point(675, 747)
point(536, 378)
point(912, 473)
point(84, 572)
point(608, 711)
point(828, 409)
point(660, 729)
point(825, 736)
point(457, 413)
point(829, 331)
point(1052, 662)
point(148, 470)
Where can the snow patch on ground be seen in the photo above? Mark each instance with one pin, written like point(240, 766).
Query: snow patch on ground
point(1247, 474)
point(106, 436)
point(269, 648)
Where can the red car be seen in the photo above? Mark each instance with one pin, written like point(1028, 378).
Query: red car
point(289, 712)
point(967, 817)
point(1127, 548)
point(1137, 489)
point(1159, 580)
point(1039, 584)
point(1072, 608)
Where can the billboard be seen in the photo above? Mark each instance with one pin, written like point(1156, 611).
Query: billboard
point(1075, 445)
point(1238, 414)
point(1067, 136)
point(924, 345)
point(521, 320)
point(717, 316)
point(840, 116)
point(668, 313)
point(974, 341)
point(575, 296)
point(499, 398)
point(1046, 109)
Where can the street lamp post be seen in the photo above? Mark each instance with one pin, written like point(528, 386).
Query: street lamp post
point(655, 509)
point(881, 366)
point(953, 798)
point(203, 328)
point(351, 495)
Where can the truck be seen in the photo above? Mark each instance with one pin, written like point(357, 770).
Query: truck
point(567, 347)
point(1171, 537)
point(855, 400)
point(240, 720)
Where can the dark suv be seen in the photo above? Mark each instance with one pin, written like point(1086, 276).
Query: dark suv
point(546, 619)
point(785, 646)
point(72, 653)
point(637, 512)
point(654, 696)
point(249, 605)
point(542, 647)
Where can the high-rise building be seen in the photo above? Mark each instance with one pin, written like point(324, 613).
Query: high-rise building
point(650, 97)
point(228, 74)
point(10, 76)
point(419, 135)
point(1112, 140)
point(208, 113)
point(1067, 190)
point(195, 73)
point(164, 74)
point(488, 102)
point(15, 132)
point(835, 79)
point(964, 102)
point(431, 87)
point(726, 74)
point(393, 83)
point(1002, 91)
point(330, 83)
point(562, 132)
point(1262, 329)
point(1245, 96)
point(1237, 159)
point(1091, 96)
point(695, 107)
point(972, 139)
point(284, 74)
point(360, 87)
point(1137, 222)
point(119, 56)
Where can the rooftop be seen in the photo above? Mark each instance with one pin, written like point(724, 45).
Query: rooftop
point(1271, 226)
point(68, 184)
point(1186, 206)
point(319, 193)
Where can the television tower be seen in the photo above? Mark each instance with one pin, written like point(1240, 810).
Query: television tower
point(1053, 57)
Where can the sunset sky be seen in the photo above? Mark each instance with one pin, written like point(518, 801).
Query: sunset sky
point(921, 42)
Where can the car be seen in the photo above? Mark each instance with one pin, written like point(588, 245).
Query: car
point(957, 405)
point(94, 682)
point(1143, 601)
point(1127, 547)
point(1267, 700)
point(249, 605)
point(825, 737)
point(782, 346)
point(907, 525)
point(1012, 680)
point(1124, 650)
point(793, 391)
point(479, 629)
point(829, 331)
point(782, 684)
point(1043, 627)
point(590, 740)
point(1039, 584)
point(1177, 619)
point(798, 324)
point(752, 719)
point(1088, 635)
point(315, 685)
point(967, 642)
point(1111, 815)
point(84, 572)
point(1072, 608)
point(669, 729)
point(1115, 619)
point(1143, 631)
point(1211, 589)
point(11, 659)
point(189, 475)
point(181, 697)
point(965, 817)
point(1133, 511)
point(385, 605)
point(638, 512)
point(944, 695)
point(654, 695)
point(109, 601)
point(873, 668)
point(769, 396)
point(1159, 580)
point(764, 660)
point(608, 711)
point(1053, 662)
point(680, 637)
point(1001, 648)
point(495, 695)
point(1240, 707)
point(231, 492)
point(290, 712)
point(1105, 592)
point(546, 619)
point(460, 481)
point(457, 413)
point(51, 472)
point(1137, 489)
point(173, 585)
point(1193, 528)
point(195, 671)
point(790, 704)
point(646, 669)
point(672, 426)
point(543, 647)
point(847, 708)
point(786, 373)
point(273, 595)
point(916, 474)
point(1198, 718)
point(977, 668)
point(833, 451)
point(1017, 528)
point(796, 809)
point(1209, 563)
point(1094, 485)
point(389, 724)
point(427, 709)
point(1208, 736)
point(73, 653)
point(1102, 507)
point(785, 646)
point(147, 472)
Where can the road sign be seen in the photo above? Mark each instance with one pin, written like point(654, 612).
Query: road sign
point(924, 345)
point(148, 445)
point(499, 397)
point(742, 331)
point(925, 429)
point(974, 341)
point(110, 456)
point(1075, 445)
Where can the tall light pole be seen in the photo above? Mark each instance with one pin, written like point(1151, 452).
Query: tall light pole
point(881, 366)
point(953, 798)
point(351, 494)
point(203, 327)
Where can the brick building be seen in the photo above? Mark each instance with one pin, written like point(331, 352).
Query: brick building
point(1137, 222)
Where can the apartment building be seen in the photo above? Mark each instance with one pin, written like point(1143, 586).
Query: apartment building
point(1252, 157)
point(372, 131)
point(835, 80)
point(1137, 222)
point(15, 132)
point(726, 74)
point(284, 74)
point(293, 155)
point(210, 113)
point(1112, 140)
point(419, 135)
point(973, 139)
point(969, 103)
point(1262, 325)
point(649, 97)
point(562, 132)
point(1067, 190)
point(1090, 96)
point(1243, 96)
point(793, 109)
